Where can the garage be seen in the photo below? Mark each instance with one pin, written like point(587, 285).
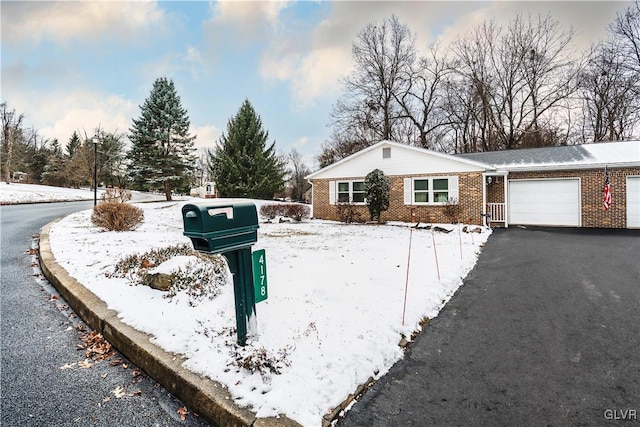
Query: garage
point(633, 202)
point(554, 202)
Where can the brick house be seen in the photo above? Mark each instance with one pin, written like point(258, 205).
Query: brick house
point(553, 186)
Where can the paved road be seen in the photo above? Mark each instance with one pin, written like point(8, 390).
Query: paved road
point(545, 331)
point(38, 339)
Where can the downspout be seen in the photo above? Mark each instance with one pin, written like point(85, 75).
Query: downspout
point(484, 197)
point(506, 199)
point(312, 192)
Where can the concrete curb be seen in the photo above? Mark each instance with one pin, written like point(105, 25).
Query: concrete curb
point(209, 399)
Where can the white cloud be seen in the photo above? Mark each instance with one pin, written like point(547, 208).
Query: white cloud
point(172, 63)
point(62, 21)
point(193, 55)
point(207, 136)
point(588, 19)
point(313, 60)
point(246, 19)
point(246, 13)
point(58, 114)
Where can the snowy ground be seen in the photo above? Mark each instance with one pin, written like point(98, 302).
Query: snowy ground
point(30, 193)
point(333, 318)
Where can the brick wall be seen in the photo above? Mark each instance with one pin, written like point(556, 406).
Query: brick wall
point(469, 202)
point(592, 192)
point(470, 198)
point(495, 190)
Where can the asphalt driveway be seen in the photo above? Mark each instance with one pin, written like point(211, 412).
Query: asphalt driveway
point(544, 331)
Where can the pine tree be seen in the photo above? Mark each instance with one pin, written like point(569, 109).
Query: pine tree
point(73, 145)
point(376, 188)
point(162, 153)
point(242, 165)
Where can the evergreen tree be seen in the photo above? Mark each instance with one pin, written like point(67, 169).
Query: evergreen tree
point(73, 145)
point(376, 188)
point(242, 165)
point(162, 153)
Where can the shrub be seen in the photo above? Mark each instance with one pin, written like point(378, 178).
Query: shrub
point(262, 361)
point(376, 187)
point(270, 211)
point(202, 279)
point(116, 195)
point(453, 210)
point(348, 213)
point(117, 216)
point(135, 263)
point(297, 211)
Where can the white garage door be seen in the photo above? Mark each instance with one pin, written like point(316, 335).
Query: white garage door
point(633, 202)
point(545, 202)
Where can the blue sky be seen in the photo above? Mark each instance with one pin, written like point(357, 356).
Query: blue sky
point(78, 65)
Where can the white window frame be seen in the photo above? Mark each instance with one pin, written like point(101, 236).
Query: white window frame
point(334, 194)
point(410, 191)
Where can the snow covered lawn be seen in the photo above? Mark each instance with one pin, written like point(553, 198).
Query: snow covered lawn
point(32, 193)
point(334, 313)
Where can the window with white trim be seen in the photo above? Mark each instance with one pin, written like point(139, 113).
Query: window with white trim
point(350, 192)
point(343, 192)
point(421, 191)
point(437, 190)
point(440, 190)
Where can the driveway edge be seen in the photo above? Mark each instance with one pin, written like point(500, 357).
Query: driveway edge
point(208, 398)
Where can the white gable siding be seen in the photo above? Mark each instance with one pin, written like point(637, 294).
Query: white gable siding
point(403, 161)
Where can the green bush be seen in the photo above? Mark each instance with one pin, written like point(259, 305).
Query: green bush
point(376, 187)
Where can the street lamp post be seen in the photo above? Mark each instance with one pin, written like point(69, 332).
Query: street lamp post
point(95, 169)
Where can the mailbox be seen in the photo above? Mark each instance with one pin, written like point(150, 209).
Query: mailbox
point(221, 227)
point(228, 228)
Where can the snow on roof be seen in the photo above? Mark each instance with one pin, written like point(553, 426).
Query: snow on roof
point(595, 155)
point(418, 150)
point(621, 153)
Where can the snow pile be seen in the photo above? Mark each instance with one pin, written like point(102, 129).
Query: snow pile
point(334, 313)
point(177, 263)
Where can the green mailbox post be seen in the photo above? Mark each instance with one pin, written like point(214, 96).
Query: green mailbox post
point(229, 229)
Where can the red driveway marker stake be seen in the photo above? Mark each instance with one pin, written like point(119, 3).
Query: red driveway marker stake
point(460, 240)
point(433, 237)
point(406, 283)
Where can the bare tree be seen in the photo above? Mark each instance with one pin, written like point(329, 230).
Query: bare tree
point(382, 55)
point(12, 134)
point(342, 143)
point(518, 76)
point(609, 92)
point(610, 82)
point(627, 27)
point(421, 97)
point(470, 90)
point(299, 170)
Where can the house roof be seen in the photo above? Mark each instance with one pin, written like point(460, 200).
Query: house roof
point(463, 162)
point(618, 154)
point(585, 156)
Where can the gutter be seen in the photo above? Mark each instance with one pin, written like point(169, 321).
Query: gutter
point(564, 167)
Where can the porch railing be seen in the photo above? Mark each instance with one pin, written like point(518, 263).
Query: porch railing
point(496, 212)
